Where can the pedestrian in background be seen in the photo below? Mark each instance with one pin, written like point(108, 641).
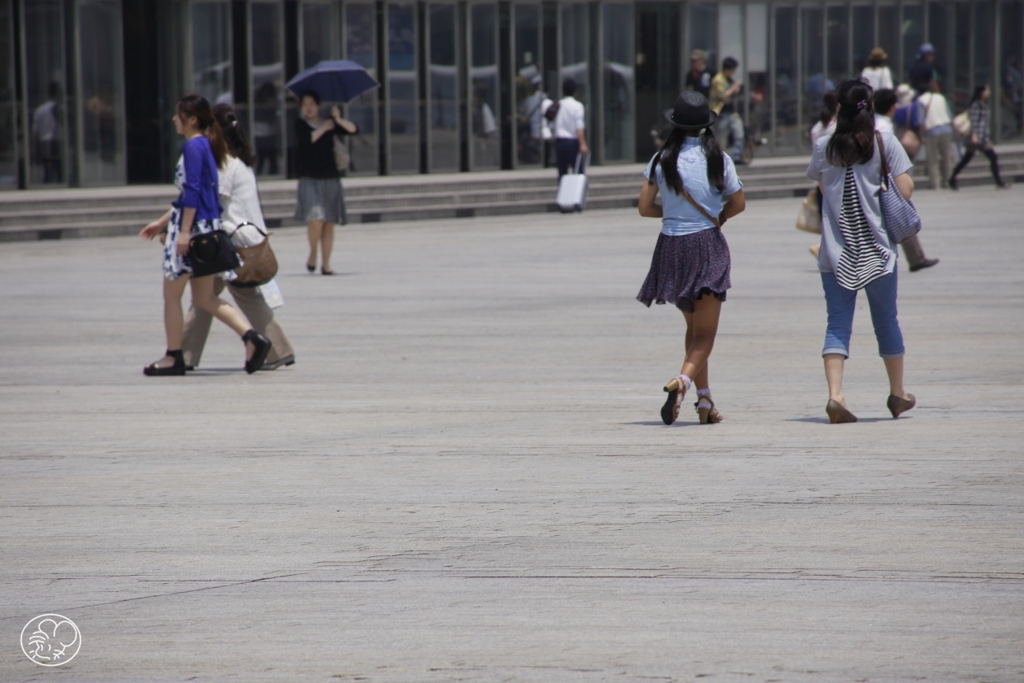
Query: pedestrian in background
point(885, 109)
point(938, 136)
point(908, 118)
point(979, 115)
point(876, 73)
point(570, 129)
point(724, 95)
point(698, 78)
point(691, 264)
point(196, 211)
point(856, 251)
point(922, 72)
point(321, 202)
point(240, 217)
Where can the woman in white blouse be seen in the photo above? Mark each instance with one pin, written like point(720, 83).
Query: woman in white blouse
point(876, 73)
point(240, 203)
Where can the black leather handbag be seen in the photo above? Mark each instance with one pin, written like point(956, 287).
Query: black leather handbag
point(212, 252)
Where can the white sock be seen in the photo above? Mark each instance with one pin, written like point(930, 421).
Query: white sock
point(687, 381)
point(704, 399)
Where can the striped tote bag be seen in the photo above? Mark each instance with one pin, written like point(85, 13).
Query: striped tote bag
point(899, 215)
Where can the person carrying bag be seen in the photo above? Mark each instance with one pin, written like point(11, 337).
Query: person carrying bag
point(242, 218)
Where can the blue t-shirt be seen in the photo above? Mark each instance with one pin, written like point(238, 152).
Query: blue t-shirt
point(679, 216)
point(198, 179)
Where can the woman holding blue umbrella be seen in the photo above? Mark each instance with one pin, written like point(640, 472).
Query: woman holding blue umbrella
point(321, 203)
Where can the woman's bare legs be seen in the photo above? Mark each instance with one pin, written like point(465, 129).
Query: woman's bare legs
point(700, 379)
point(174, 319)
point(701, 328)
point(894, 368)
point(204, 299)
point(327, 242)
point(314, 232)
point(834, 376)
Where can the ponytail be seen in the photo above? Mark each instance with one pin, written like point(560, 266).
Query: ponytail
point(854, 139)
point(238, 144)
point(668, 158)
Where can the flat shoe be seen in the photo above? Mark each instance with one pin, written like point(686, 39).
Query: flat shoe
point(897, 406)
point(837, 414)
point(262, 348)
point(176, 370)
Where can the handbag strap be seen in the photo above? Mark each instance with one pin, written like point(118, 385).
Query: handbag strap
point(239, 227)
point(885, 163)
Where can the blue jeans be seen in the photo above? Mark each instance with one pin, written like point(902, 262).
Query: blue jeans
point(842, 302)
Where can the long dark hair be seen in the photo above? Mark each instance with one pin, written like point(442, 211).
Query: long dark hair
point(854, 139)
point(238, 144)
point(197, 106)
point(668, 157)
point(829, 102)
point(978, 89)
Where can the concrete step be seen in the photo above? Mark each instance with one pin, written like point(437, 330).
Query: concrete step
point(84, 212)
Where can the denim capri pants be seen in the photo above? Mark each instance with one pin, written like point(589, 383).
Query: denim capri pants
point(842, 302)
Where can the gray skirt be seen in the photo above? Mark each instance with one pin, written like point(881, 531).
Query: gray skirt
point(321, 199)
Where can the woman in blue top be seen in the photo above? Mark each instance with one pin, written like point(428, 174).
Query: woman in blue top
point(197, 210)
point(690, 267)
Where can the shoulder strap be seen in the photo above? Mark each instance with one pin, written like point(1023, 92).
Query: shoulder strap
point(696, 205)
point(687, 197)
point(885, 162)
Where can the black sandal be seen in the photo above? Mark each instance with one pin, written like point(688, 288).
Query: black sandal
point(178, 368)
point(262, 345)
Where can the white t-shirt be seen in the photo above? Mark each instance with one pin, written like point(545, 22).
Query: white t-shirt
point(545, 125)
point(883, 124)
point(819, 129)
point(240, 202)
point(571, 118)
point(878, 77)
point(936, 110)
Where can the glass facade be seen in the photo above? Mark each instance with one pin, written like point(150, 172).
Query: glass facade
point(8, 101)
point(462, 82)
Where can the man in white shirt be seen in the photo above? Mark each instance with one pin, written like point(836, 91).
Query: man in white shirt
point(569, 125)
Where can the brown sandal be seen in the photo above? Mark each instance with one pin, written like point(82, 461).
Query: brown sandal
point(837, 414)
point(708, 416)
point(675, 389)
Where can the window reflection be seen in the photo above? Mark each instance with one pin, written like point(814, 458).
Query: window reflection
point(913, 34)
point(962, 65)
point(44, 66)
point(576, 49)
point(402, 88)
point(101, 96)
point(759, 122)
point(360, 47)
point(8, 144)
point(837, 26)
point(211, 51)
point(1011, 90)
point(704, 31)
point(529, 86)
point(864, 38)
point(443, 94)
point(267, 83)
point(483, 74)
point(619, 91)
point(316, 34)
point(787, 119)
point(815, 82)
point(889, 39)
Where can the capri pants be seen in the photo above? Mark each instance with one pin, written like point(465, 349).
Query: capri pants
point(842, 302)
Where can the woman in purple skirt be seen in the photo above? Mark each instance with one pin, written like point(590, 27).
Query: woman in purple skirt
point(690, 267)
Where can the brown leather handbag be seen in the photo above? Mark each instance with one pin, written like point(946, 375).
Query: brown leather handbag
point(259, 264)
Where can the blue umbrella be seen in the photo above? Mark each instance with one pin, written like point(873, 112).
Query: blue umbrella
point(335, 81)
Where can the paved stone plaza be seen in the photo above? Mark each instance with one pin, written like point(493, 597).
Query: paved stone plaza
point(465, 476)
